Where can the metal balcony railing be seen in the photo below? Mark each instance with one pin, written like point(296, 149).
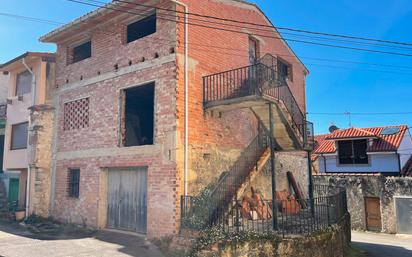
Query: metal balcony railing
point(259, 79)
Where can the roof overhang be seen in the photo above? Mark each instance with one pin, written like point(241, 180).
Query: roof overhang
point(77, 24)
point(351, 138)
point(30, 56)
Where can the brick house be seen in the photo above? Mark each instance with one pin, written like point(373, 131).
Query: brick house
point(138, 122)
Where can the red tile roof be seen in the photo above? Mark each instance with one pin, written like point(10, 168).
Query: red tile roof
point(381, 143)
point(351, 133)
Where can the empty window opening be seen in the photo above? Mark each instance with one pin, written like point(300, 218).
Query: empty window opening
point(74, 183)
point(23, 83)
point(139, 115)
point(284, 71)
point(19, 136)
point(353, 152)
point(253, 50)
point(82, 52)
point(141, 28)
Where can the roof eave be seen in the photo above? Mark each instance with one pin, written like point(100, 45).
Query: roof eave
point(53, 35)
point(4, 66)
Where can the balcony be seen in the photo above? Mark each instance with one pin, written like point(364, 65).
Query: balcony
point(259, 88)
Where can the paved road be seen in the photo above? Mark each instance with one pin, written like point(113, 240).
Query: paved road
point(18, 243)
point(382, 245)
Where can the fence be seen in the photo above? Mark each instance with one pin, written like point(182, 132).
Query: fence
point(294, 217)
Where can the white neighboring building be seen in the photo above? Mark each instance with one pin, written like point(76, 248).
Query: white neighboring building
point(385, 150)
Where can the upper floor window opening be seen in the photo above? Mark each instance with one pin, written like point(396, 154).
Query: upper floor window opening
point(23, 83)
point(19, 136)
point(253, 50)
point(353, 152)
point(141, 28)
point(284, 70)
point(138, 112)
point(82, 52)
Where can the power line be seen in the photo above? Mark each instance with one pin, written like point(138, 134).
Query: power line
point(32, 19)
point(271, 26)
point(44, 21)
point(273, 29)
point(245, 33)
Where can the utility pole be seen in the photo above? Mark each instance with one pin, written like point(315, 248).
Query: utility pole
point(272, 165)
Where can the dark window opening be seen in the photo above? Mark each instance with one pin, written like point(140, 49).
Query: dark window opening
point(74, 183)
point(23, 83)
point(19, 134)
point(82, 52)
point(253, 51)
point(139, 115)
point(141, 28)
point(353, 152)
point(284, 71)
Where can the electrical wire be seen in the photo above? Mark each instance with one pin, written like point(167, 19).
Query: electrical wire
point(273, 29)
point(271, 26)
point(246, 33)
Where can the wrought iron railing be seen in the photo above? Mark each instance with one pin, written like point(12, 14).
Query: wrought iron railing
point(218, 200)
point(259, 79)
point(294, 217)
point(227, 187)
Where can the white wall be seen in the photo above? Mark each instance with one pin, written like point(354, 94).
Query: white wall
point(405, 148)
point(378, 163)
point(17, 112)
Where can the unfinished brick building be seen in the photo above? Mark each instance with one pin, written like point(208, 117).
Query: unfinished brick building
point(140, 119)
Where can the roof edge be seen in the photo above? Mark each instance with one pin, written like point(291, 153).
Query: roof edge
point(37, 54)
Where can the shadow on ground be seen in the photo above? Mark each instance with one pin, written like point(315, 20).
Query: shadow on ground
point(128, 244)
point(379, 250)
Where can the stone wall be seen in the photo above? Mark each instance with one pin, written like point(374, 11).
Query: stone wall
point(329, 243)
point(40, 143)
point(296, 163)
point(358, 187)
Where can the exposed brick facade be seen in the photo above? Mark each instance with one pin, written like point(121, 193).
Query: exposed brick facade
point(157, 58)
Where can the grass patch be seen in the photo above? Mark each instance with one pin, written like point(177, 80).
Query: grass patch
point(165, 245)
point(354, 252)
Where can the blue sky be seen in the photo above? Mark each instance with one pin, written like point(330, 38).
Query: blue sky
point(331, 86)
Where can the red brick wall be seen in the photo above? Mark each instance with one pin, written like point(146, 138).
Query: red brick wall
point(109, 47)
point(103, 133)
point(213, 51)
point(233, 130)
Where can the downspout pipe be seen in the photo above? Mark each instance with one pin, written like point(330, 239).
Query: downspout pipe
point(33, 99)
point(186, 100)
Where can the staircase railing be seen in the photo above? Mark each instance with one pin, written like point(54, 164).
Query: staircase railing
point(203, 211)
point(227, 187)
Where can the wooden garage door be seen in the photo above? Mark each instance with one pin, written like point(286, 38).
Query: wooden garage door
point(373, 213)
point(127, 199)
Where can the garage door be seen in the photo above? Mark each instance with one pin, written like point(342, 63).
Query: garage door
point(404, 215)
point(127, 199)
